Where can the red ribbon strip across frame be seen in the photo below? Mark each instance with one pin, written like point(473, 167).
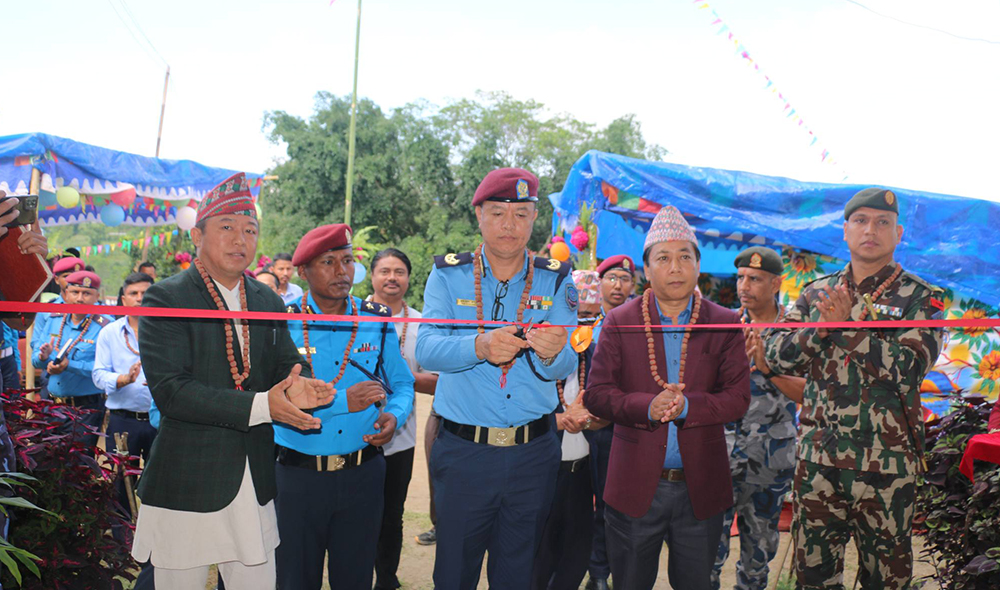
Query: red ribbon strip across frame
point(170, 312)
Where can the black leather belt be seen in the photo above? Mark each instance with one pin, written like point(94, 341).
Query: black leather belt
point(574, 466)
point(672, 474)
point(141, 416)
point(79, 400)
point(293, 458)
point(498, 437)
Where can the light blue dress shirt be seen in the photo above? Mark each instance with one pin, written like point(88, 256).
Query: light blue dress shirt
point(468, 390)
point(114, 358)
point(673, 339)
point(77, 379)
point(342, 430)
point(293, 294)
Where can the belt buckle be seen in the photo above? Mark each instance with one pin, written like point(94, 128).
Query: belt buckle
point(335, 462)
point(500, 437)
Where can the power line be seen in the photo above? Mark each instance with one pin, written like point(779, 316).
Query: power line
point(919, 26)
point(141, 32)
point(156, 57)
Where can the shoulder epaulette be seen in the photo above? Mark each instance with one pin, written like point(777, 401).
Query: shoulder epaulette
point(293, 308)
point(376, 309)
point(452, 259)
point(553, 265)
point(101, 320)
point(56, 315)
point(922, 282)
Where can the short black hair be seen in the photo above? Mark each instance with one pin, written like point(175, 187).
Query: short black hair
point(391, 253)
point(282, 256)
point(267, 272)
point(132, 279)
point(645, 253)
point(143, 265)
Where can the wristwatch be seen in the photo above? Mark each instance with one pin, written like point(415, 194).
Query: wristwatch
point(766, 375)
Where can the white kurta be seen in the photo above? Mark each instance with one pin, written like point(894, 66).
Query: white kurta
point(574, 446)
point(243, 531)
point(406, 437)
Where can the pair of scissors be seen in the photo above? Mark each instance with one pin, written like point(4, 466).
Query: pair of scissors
point(370, 375)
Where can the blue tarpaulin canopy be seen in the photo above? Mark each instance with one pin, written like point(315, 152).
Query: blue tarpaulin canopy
point(948, 240)
point(150, 188)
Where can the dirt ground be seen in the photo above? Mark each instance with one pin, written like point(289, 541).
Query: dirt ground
point(416, 566)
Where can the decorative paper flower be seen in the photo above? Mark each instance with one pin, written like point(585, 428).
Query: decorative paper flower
point(557, 239)
point(182, 257)
point(579, 239)
point(263, 261)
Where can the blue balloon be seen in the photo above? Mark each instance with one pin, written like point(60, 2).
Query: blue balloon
point(112, 215)
point(359, 272)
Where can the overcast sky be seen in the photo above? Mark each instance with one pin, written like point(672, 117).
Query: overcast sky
point(895, 104)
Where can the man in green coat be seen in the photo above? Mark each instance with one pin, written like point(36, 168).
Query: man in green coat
point(208, 490)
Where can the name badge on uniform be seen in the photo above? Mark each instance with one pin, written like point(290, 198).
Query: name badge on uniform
point(466, 302)
point(894, 312)
point(85, 341)
point(540, 302)
point(312, 350)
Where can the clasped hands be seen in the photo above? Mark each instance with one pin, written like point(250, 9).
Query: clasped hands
point(295, 393)
point(834, 305)
point(576, 417)
point(755, 350)
point(501, 345)
point(668, 404)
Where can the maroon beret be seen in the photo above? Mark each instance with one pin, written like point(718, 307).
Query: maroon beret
point(507, 185)
point(68, 264)
point(619, 261)
point(84, 278)
point(322, 239)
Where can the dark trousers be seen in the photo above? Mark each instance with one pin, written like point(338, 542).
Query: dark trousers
point(600, 452)
point(564, 549)
point(330, 512)
point(140, 440)
point(93, 419)
point(8, 373)
point(492, 499)
point(634, 543)
point(398, 470)
point(430, 435)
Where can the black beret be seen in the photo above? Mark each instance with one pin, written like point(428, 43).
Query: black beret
point(876, 198)
point(762, 258)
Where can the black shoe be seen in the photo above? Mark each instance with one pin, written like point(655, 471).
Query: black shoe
point(428, 538)
point(597, 584)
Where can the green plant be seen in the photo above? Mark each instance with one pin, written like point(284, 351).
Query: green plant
point(960, 520)
point(9, 482)
point(79, 549)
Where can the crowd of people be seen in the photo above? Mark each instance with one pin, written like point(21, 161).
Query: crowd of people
point(577, 426)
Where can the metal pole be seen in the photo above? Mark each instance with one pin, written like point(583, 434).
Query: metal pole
point(159, 135)
point(354, 117)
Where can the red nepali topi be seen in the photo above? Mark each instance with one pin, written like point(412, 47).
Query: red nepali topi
point(231, 197)
point(322, 239)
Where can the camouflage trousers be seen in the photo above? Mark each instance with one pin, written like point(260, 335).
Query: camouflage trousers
point(759, 509)
point(833, 504)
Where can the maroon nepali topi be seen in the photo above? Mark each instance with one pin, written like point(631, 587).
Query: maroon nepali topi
point(619, 261)
point(322, 239)
point(68, 264)
point(85, 279)
point(507, 185)
point(231, 197)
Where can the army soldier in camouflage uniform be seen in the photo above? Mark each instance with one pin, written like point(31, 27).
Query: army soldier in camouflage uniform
point(762, 443)
point(862, 426)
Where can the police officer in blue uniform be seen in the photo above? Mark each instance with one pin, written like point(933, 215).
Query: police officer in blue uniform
point(495, 461)
point(67, 354)
point(62, 268)
point(331, 480)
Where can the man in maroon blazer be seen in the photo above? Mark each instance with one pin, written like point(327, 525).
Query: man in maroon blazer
point(669, 393)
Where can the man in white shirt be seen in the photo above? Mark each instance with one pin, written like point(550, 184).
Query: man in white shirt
point(282, 268)
point(390, 270)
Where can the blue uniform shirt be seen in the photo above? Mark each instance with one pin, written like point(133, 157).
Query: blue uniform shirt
point(673, 340)
point(468, 390)
point(40, 331)
point(342, 430)
point(114, 358)
point(77, 379)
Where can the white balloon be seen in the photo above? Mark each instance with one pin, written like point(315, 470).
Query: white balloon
point(186, 218)
point(359, 272)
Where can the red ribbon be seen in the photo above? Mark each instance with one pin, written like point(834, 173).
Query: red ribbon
point(171, 312)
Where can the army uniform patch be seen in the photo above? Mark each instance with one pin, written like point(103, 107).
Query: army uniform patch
point(756, 260)
point(572, 296)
